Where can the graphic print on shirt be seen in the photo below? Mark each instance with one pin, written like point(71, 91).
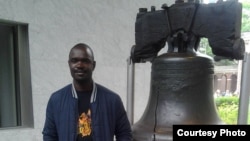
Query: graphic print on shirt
point(84, 124)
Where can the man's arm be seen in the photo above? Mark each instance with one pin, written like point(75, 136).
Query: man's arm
point(123, 129)
point(49, 131)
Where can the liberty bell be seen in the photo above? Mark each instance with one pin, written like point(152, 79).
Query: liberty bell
point(181, 90)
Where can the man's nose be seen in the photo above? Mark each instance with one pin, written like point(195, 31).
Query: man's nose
point(80, 64)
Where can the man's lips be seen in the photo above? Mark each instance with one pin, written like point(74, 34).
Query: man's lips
point(80, 72)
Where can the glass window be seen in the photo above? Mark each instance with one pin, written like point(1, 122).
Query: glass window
point(15, 83)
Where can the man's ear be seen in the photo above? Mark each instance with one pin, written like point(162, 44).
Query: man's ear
point(94, 64)
point(68, 62)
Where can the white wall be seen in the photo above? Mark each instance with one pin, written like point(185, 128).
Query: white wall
point(55, 26)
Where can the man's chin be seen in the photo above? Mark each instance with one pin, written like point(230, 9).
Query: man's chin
point(82, 80)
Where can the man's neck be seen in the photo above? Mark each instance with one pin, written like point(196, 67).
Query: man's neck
point(83, 86)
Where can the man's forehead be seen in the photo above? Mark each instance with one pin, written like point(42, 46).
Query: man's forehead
point(81, 53)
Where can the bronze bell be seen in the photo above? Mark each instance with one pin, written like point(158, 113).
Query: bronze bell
point(181, 92)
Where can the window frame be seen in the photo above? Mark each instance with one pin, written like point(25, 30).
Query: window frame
point(22, 74)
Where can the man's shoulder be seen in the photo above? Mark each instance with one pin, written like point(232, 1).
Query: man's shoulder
point(107, 92)
point(62, 90)
point(58, 97)
point(101, 88)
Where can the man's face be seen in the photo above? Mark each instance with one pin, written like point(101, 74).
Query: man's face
point(81, 64)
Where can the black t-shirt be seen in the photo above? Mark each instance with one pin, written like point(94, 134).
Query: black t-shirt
point(84, 132)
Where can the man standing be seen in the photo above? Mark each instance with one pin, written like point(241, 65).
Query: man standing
point(85, 110)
